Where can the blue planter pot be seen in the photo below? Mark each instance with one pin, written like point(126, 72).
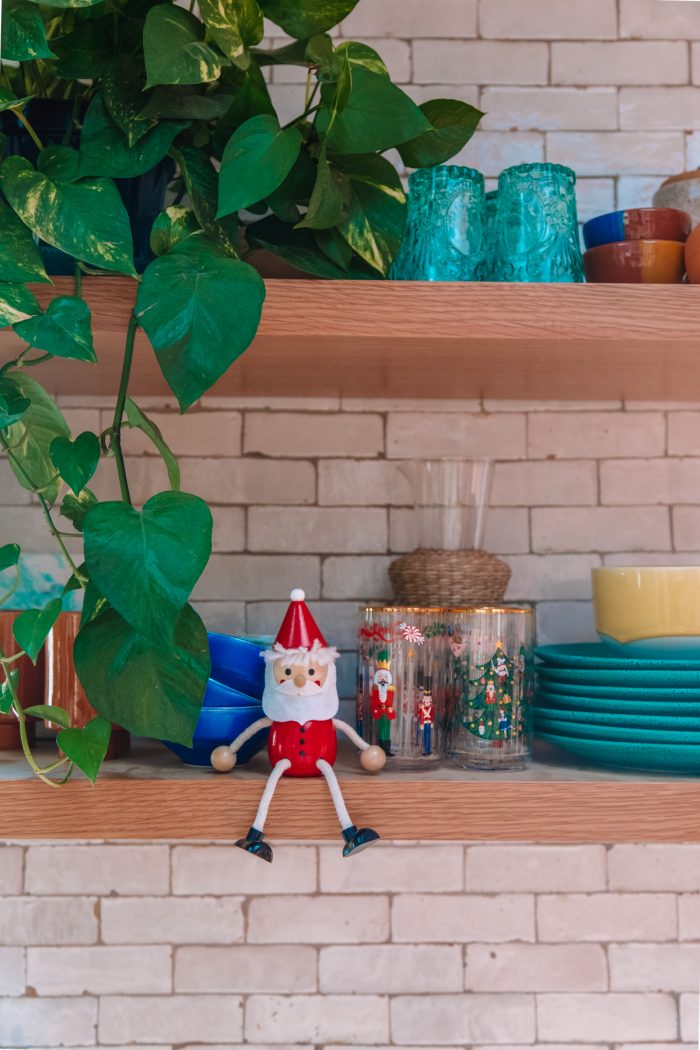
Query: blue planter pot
point(237, 663)
point(221, 725)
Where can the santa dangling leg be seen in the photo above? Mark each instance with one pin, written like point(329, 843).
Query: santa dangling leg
point(356, 839)
point(254, 840)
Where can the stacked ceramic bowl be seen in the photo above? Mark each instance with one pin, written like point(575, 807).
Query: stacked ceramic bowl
point(641, 245)
point(232, 701)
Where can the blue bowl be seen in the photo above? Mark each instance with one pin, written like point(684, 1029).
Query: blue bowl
point(221, 725)
point(237, 663)
point(218, 695)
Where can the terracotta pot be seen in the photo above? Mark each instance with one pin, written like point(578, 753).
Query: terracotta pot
point(30, 685)
point(63, 688)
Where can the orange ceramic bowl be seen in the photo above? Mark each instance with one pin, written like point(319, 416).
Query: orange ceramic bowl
point(636, 262)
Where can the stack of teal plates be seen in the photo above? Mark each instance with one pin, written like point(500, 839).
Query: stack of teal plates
point(617, 711)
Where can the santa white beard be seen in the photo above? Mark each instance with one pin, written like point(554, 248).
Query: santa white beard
point(281, 702)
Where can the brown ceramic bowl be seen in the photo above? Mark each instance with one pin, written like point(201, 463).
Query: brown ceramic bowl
point(636, 262)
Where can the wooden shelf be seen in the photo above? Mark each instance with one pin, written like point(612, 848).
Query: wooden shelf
point(152, 796)
point(412, 339)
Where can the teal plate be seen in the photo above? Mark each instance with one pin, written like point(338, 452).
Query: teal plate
point(601, 732)
point(627, 754)
point(633, 720)
point(615, 706)
point(631, 676)
point(595, 654)
point(620, 691)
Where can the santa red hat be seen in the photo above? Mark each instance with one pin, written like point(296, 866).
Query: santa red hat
point(299, 638)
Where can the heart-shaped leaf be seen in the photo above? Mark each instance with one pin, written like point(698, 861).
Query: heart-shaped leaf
point(146, 563)
point(185, 102)
point(84, 52)
point(251, 99)
point(75, 508)
point(235, 25)
point(202, 185)
point(151, 691)
point(60, 163)
point(299, 248)
point(12, 404)
point(375, 226)
point(200, 310)
point(9, 556)
point(76, 461)
point(172, 225)
point(20, 259)
point(16, 302)
point(6, 692)
point(453, 124)
point(86, 747)
point(30, 438)
point(305, 18)
point(258, 156)
point(8, 100)
point(330, 200)
point(32, 626)
point(136, 418)
point(105, 151)
point(49, 713)
point(174, 48)
point(123, 81)
point(23, 32)
point(376, 116)
point(359, 54)
point(85, 219)
point(64, 330)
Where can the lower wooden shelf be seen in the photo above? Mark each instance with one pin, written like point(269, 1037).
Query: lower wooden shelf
point(151, 796)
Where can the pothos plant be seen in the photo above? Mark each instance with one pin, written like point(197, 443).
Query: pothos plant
point(148, 80)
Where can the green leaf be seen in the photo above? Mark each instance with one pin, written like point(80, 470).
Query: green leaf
point(23, 32)
point(60, 163)
point(151, 691)
point(31, 438)
point(16, 303)
point(32, 626)
point(319, 52)
point(9, 556)
point(174, 48)
point(85, 52)
point(259, 155)
point(377, 116)
point(375, 226)
point(202, 185)
point(136, 418)
point(123, 82)
point(296, 188)
point(76, 461)
point(9, 101)
point(297, 247)
point(75, 508)
point(86, 747)
point(6, 692)
point(293, 54)
point(235, 25)
point(334, 246)
point(361, 55)
point(12, 404)
point(200, 309)
point(68, 3)
point(50, 713)
point(105, 151)
point(330, 201)
point(64, 330)
point(146, 563)
point(170, 226)
point(453, 124)
point(304, 18)
point(85, 219)
point(183, 102)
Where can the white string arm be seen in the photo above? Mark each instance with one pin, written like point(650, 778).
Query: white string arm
point(350, 733)
point(336, 793)
point(242, 738)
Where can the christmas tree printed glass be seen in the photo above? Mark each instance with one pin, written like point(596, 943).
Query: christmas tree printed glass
point(402, 680)
point(445, 229)
point(490, 691)
point(536, 227)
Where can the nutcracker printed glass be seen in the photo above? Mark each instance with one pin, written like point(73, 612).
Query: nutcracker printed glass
point(536, 228)
point(402, 682)
point(445, 230)
point(490, 689)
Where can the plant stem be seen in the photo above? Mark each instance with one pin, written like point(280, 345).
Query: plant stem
point(28, 362)
point(30, 130)
point(38, 77)
point(303, 116)
point(21, 717)
point(116, 431)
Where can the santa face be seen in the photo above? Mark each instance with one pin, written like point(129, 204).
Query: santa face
point(300, 692)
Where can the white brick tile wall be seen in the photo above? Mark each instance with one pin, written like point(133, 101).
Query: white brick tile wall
point(183, 920)
point(100, 970)
point(48, 1021)
point(617, 1017)
point(557, 20)
point(549, 109)
point(454, 1019)
point(643, 62)
point(306, 434)
point(316, 920)
point(654, 967)
point(479, 62)
point(610, 916)
point(318, 1018)
point(504, 917)
point(170, 1019)
point(536, 968)
point(219, 870)
point(246, 968)
point(535, 869)
point(391, 969)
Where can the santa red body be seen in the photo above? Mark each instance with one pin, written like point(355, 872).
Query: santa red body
point(303, 745)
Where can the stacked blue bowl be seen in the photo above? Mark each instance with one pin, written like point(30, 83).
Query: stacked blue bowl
point(231, 703)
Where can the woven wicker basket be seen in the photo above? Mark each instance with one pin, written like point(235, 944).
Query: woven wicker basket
point(440, 577)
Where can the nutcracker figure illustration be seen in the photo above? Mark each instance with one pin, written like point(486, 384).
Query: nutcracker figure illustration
point(300, 701)
point(426, 714)
point(382, 700)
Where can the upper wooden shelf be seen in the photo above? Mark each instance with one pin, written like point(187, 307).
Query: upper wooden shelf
point(415, 339)
point(152, 796)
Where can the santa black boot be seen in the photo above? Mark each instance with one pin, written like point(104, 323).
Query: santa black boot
point(253, 843)
point(357, 839)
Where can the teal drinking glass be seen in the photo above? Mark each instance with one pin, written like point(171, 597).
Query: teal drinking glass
point(536, 234)
point(445, 229)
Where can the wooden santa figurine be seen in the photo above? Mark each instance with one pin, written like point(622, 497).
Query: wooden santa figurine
point(300, 701)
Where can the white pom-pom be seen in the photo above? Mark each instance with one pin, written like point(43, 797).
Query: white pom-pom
point(297, 595)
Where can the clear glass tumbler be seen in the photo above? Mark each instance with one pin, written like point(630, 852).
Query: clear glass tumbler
point(451, 501)
point(402, 682)
point(537, 236)
point(491, 685)
point(445, 230)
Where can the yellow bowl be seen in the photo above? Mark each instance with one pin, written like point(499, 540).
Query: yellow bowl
point(648, 610)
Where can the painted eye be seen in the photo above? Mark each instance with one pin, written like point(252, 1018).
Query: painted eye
point(311, 671)
point(287, 670)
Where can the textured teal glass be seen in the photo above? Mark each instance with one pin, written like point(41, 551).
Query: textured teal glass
point(536, 225)
point(490, 235)
point(445, 229)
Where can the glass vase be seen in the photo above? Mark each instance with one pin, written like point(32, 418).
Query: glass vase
point(445, 229)
point(537, 235)
point(402, 683)
point(490, 689)
point(451, 501)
